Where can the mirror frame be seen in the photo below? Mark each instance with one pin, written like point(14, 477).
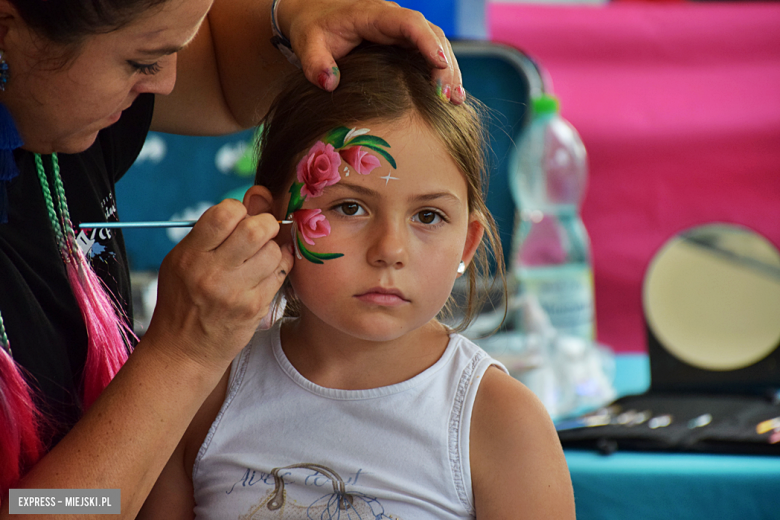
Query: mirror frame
point(668, 373)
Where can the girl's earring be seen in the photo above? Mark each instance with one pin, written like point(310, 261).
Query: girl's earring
point(3, 71)
point(461, 268)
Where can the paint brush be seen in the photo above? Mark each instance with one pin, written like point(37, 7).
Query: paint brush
point(158, 224)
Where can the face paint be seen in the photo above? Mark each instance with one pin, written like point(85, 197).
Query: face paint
point(318, 169)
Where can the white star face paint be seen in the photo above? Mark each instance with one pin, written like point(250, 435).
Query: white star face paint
point(387, 178)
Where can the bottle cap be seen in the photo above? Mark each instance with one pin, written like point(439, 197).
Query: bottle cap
point(545, 104)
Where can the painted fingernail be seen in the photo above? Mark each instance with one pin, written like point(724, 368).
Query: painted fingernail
point(324, 78)
point(442, 57)
point(444, 92)
point(460, 92)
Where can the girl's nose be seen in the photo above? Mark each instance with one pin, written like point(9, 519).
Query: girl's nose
point(388, 246)
point(162, 81)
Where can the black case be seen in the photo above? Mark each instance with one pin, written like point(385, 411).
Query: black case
point(698, 423)
point(735, 411)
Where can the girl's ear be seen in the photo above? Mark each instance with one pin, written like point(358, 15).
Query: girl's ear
point(473, 239)
point(258, 199)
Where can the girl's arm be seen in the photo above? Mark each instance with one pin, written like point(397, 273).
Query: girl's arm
point(228, 75)
point(517, 463)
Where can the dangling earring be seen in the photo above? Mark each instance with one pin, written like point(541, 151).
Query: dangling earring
point(9, 141)
point(3, 71)
point(461, 268)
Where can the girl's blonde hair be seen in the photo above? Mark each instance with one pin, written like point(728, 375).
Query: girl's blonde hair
point(383, 83)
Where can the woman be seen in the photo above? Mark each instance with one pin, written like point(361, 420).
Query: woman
point(88, 85)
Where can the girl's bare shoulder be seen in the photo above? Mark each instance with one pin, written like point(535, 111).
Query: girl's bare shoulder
point(517, 463)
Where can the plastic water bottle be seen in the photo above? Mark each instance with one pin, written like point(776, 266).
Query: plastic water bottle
point(551, 259)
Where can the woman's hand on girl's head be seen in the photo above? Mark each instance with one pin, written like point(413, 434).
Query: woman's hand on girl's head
point(231, 72)
point(218, 283)
point(322, 31)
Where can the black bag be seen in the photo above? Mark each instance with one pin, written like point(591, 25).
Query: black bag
point(679, 422)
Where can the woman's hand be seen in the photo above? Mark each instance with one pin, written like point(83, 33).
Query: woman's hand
point(218, 283)
point(231, 72)
point(322, 31)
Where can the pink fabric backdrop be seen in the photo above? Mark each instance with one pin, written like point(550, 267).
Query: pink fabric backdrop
point(679, 108)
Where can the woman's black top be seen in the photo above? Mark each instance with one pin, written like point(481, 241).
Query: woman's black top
point(44, 325)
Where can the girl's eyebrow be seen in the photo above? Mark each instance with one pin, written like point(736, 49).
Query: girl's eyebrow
point(436, 196)
point(362, 190)
point(368, 192)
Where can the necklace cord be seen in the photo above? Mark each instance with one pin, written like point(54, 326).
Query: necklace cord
point(50, 207)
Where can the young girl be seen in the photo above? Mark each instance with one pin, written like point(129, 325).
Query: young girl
point(360, 403)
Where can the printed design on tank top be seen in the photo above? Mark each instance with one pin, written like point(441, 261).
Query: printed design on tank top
point(333, 499)
point(93, 242)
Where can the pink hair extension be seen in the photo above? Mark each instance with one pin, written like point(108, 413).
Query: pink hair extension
point(108, 333)
point(20, 441)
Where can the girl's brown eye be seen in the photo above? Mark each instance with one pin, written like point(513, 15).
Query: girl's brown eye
point(350, 208)
point(427, 217)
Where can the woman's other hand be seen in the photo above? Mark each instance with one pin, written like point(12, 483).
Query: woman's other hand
point(322, 31)
point(218, 283)
point(231, 72)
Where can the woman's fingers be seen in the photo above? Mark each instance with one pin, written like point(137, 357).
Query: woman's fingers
point(215, 225)
point(250, 235)
point(321, 32)
point(449, 81)
point(219, 282)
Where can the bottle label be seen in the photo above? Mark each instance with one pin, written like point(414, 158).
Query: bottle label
point(565, 293)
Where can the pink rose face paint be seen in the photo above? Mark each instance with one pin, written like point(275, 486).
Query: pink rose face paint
point(320, 168)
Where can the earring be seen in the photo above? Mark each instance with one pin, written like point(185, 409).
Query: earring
point(461, 268)
point(3, 71)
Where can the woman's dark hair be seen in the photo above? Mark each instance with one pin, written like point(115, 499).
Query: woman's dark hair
point(69, 22)
point(389, 84)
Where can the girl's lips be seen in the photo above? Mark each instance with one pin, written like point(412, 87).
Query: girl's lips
point(383, 297)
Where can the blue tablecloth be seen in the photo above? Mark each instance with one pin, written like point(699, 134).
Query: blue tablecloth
point(666, 486)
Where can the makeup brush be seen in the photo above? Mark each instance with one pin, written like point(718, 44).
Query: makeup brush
point(152, 224)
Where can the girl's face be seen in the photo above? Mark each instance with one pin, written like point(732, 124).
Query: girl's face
point(62, 108)
point(402, 232)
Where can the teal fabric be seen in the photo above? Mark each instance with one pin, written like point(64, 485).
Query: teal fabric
point(663, 486)
point(632, 374)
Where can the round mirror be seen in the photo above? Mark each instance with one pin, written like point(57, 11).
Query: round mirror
point(711, 296)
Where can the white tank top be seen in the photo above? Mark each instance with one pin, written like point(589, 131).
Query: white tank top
point(284, 447)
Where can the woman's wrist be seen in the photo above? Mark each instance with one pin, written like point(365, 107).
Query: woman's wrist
point(192, 363)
